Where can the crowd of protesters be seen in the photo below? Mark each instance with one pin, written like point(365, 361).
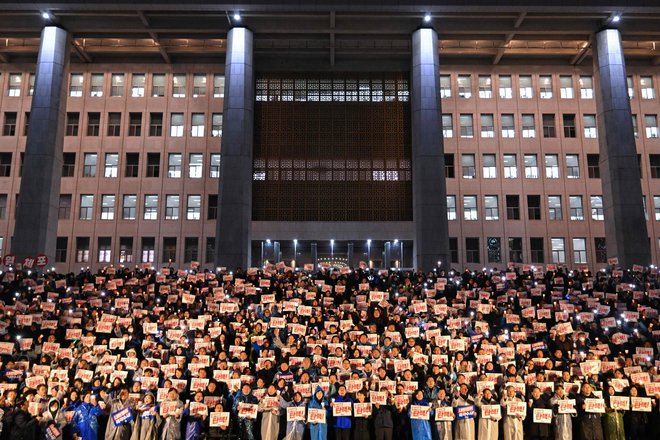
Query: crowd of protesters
point(338, 353)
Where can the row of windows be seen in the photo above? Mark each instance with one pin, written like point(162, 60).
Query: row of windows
point(528, 129)
point(129, 207)
point(544, 85)
point(491, 207)
point(104, 249)
point(114, 123)
point(489, 169)
point(111, 165)
point(175, 167)
point(95, 85)
point(494, 252)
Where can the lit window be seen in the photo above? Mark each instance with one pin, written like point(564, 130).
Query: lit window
point(551, 166)
point(489, 166)
point(117, 85)
point(151, 207)
point(485, 87)
point(447, 125)
point(487, 125)
point(172, 207)
point(179, 86)
point(646, 86)
point(597, 208)
point(526, 90)
point(510, 166)
point(575, 203)
point(465, 86)
point(545, 86)
point(195, 166)
point(566, 87)
point(138, 82)
point(506, 87)
point(579, 250)
point(76, 85)
point(107, 207)
point(470, 208)
point(558, 250)
point(590, 131)
point(451, 207)
point(491, 207)
point(445, 86)
point(586, 87)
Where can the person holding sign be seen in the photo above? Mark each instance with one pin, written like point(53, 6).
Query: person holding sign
point(147, 421)
point(24, 425)
point(590, 425)
point(488, 424)
point(319, 431)
point(294, 428)
point(361, 425)
point(53, 416)
point(443, 404)
point(172, 425)
point(383, 419)
point(613, 419)
point(539, 431)
point(246, 426)
point(636, 422)
point(563, 421)
point(464, 425)
point(421, 427)
point(195, 422)
point(513, 420)
point(121, 431)
point(270, 418)
point(342, 423)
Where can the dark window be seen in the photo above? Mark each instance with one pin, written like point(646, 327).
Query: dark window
point(61, 246)
point(68, 164)
point(9, 129)
point(125, 250)
point(93, 124)
point(5, 164)
point(569, 125)
point(132, 164)
point(64, 209)
point(494, 249)
point(654, 160)
point(472, 249)
point(534, 207)
point(593, 168)
point(549, 130)
point(153, 164)
point(449, 166)
point(82, 249)
point(212, 207)
point(536, 249)
point(169, 249)
point(20, 166)
point(210, 249)
point(135, 124)
point(639, 164)
point(191, 249)
point(26, 123)
point(512, 207)
point(453, 249)
point(114, 124)
point(72, 123)
point(515, 249)
point(601, 249)
point(148, 249)
point(155, 124)
point(3, 206)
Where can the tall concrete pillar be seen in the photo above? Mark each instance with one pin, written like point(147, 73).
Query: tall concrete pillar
point(429, 192)
point(277, 256)
point(234, 224)
point(625, 223)
point(314, 250)
point(35, 231)
point(387, 255)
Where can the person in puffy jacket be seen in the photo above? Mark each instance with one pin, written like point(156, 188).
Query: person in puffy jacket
point(342, 423)
point(85, 423)
point(318, 431)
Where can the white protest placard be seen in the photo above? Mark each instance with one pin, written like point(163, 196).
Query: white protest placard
point(594, 405)
point(420, 412)
point(491, 412)
point(643, 404)
point(316, 415)
point(342, 409)
point(295, 413)
point(218, 419)
point(542, 415)
point(362, 409)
